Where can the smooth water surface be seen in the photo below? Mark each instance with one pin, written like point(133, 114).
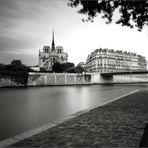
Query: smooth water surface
point(22, 109)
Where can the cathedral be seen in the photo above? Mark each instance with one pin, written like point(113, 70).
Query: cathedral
point(49, 56)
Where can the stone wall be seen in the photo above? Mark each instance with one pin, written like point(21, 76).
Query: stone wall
point(128, 78)
point(136, 78)
point(36, 79)
point(43, 79)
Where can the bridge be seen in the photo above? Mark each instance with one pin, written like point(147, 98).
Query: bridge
point(123, 73)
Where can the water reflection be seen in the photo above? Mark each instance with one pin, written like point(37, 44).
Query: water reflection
point(27, 108)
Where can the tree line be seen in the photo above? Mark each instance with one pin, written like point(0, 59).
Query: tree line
point(67, 68)
point(15, 71)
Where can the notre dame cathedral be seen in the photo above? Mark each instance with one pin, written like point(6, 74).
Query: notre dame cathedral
point(49, 56)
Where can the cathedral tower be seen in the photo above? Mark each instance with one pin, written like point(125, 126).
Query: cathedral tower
point(53, 44)
point(48, 56)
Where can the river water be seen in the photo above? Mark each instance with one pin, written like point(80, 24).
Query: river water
point(22, 109)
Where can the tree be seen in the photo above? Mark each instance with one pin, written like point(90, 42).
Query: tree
point(79, 69)
point(66, 66)
point(133, 13)
point(70, 70)
point(16, 71)
point(16, 62)
point(2, 66)
point(16, 65)
point(57, 67)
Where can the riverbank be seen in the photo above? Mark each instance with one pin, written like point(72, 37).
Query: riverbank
point(120, 123)
point(67, 79)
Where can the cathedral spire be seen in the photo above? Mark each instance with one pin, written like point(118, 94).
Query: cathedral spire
point(53, 44)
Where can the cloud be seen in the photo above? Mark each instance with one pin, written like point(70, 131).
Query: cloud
point(18, 25)
point(26, 26)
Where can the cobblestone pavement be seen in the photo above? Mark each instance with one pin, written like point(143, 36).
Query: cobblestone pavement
point(117, 124)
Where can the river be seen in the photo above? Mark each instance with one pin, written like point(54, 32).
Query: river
point(22, 109)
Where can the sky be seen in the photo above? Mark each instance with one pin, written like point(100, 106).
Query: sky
point(26, 26)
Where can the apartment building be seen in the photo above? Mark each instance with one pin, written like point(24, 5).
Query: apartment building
point(106, 60)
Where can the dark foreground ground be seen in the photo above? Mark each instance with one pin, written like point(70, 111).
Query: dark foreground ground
point(118, 124)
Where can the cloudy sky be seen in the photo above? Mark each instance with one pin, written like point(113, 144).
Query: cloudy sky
point(26, 26)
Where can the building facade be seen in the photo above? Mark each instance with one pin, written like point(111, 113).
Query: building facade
point(105, 60)
point(50, 55)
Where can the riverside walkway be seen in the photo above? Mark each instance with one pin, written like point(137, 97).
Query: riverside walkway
point(117, 124)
